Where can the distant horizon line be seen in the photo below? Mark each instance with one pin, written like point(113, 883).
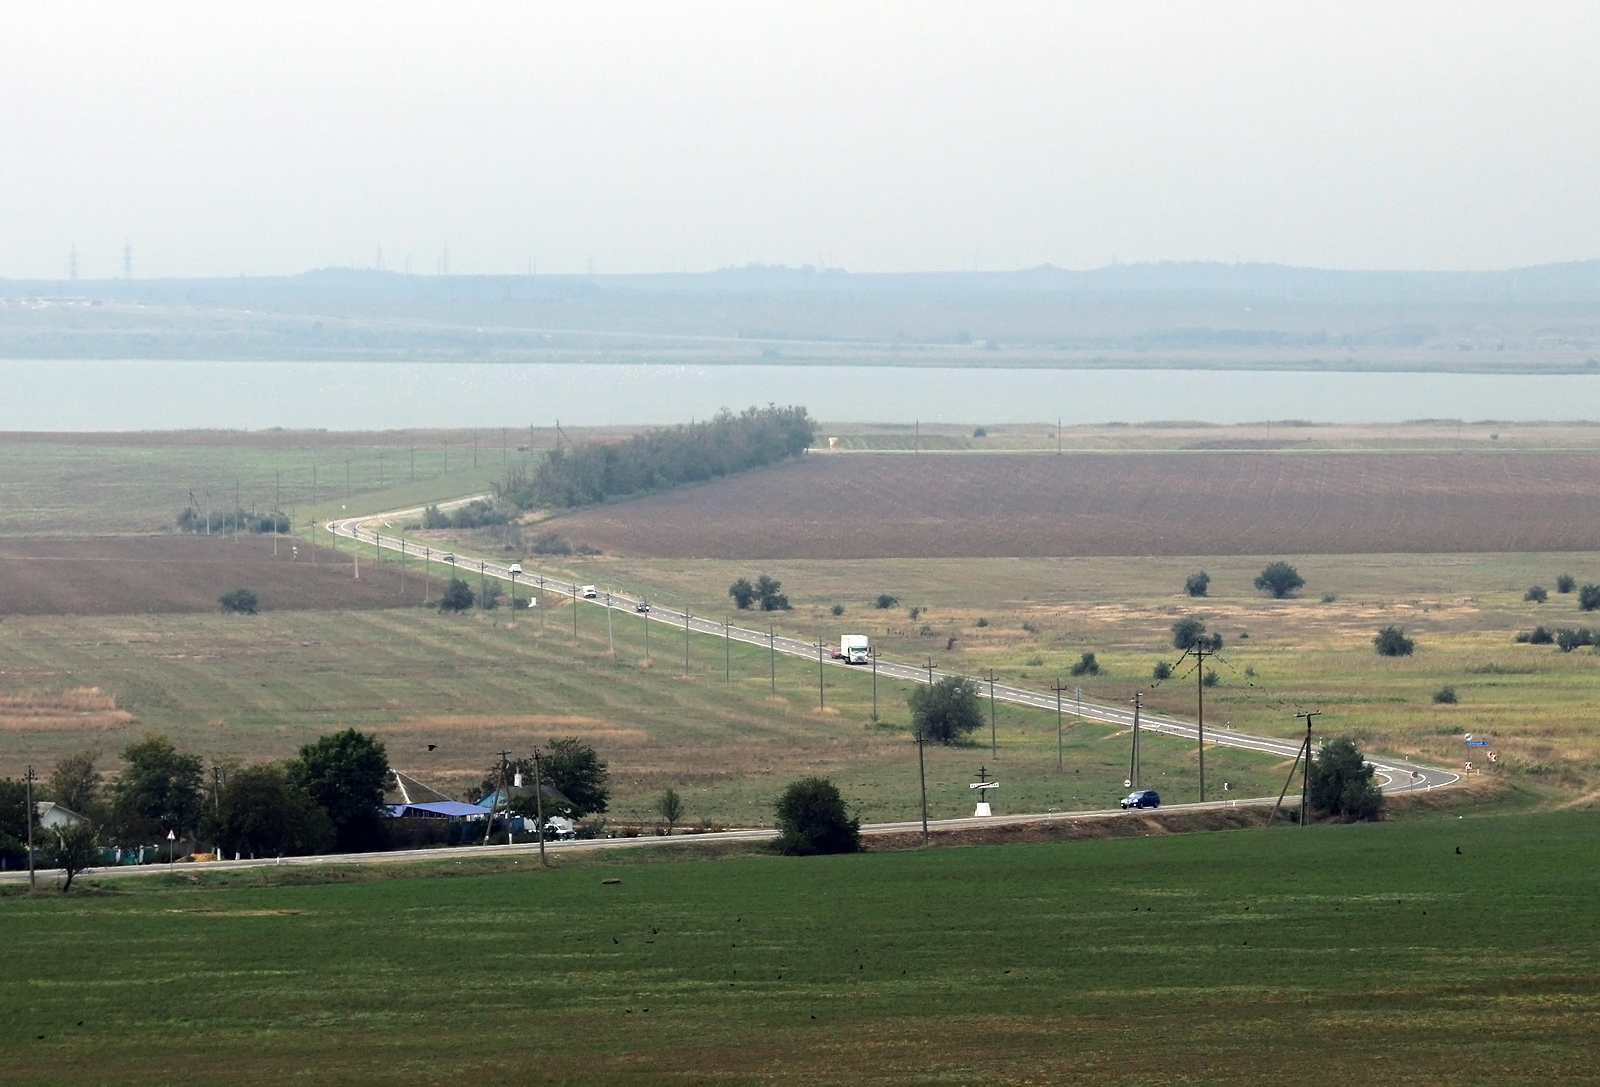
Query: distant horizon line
point(798, 270)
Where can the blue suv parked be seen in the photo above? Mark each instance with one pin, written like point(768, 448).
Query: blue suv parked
point(1144, 798)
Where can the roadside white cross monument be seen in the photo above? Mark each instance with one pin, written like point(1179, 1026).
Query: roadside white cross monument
point(983, 785)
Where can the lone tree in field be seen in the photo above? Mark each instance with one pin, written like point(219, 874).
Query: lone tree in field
point(1162, 670)
point(1341, 784)
point(670, 807)
point(812, 820)
point(946, 712)
point(457, 597)
point(76, 847)
point(1565, 583)
point(1536, 595)
point(1392, 642)
point(743, 593)
point(1589, 598)
point(1190, 632)
point(771, 598)
point(239, 602)
point(1280, 579)
point(885, 601)
point(1086, 666)
point(1196, 584)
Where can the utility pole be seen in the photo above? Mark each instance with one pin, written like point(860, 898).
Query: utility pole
point(611, 645)
point(822, 699)
point(930, 671)
point(727, 653)
point(922, 778)
point(28, 817)
point(538, 802)
point(873, 652)
point(1058, 688)
point(1200, 655)
point(1304, 750)
point(1133, 759)
point(686, 643)
point(772, 656)
point(994, 743)
point(574, 614)
point(647, 634)
point(1305, 780)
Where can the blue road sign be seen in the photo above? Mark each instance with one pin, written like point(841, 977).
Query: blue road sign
point(1477, 743)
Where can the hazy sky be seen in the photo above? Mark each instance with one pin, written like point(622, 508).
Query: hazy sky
point(267, 138)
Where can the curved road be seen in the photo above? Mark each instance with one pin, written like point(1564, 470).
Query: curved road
point(1397, 775)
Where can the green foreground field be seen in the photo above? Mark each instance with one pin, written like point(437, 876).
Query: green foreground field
point(1442, 950)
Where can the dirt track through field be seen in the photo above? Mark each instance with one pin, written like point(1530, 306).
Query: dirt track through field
point(953, 506)
point(120, 576)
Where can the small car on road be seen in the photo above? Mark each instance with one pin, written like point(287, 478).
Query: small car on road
point(516, 568)
point(1144, 798)
point(641, 607)
point(590, 592)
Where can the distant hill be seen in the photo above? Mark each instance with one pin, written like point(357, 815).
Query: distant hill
point(1198, 313)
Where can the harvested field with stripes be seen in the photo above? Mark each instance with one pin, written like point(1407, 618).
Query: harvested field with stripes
point(842, 506)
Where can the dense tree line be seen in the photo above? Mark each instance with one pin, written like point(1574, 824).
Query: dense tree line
point(190, 519)
point(591, 472)
point(479, 513)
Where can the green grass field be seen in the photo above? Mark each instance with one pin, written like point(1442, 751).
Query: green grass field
point(1280, 656)
point(254, 688)
point(1439, 950)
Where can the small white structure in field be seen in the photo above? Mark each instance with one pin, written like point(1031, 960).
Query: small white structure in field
point(983, 785)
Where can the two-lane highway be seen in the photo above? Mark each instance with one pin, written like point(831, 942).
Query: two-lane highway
point(1397, 775)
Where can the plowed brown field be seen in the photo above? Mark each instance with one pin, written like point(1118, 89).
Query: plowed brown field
point(952, 506)
point(119, 576)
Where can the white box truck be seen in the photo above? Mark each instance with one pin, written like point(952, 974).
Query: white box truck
point(853, 649)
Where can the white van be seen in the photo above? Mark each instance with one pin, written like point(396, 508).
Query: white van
point(590, 592)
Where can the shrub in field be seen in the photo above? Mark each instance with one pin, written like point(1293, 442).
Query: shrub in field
point(885, 601)
point(551, 543)
point(1196, 584)
point(837, 609)
point(1565, 583)
point(1211, 679)
point(1536, 595)
point(743, 593)
point(458, 596)
point(1330, 598)
point(1341, 784)
point(914, 612)
point(1536, 636)
point(1589, 598)
point(1392, 642)
point(1445, 695)
point(1567, 639)
point(812, 820)
point(1162, 670)
point(981, 623)
point(980, 432)
point(239, 602)
point(1086, 666)
point(669, 805)
point(947, 711)
point(492, 592)
point(1189, 632)
point(1280, 579)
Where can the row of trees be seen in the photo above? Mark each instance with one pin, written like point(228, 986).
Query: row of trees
point(190, 519)
point(328, 796)
point(592, 472)
point(479, 513)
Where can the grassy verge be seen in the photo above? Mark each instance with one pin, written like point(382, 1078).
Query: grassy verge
point(1461, 950)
